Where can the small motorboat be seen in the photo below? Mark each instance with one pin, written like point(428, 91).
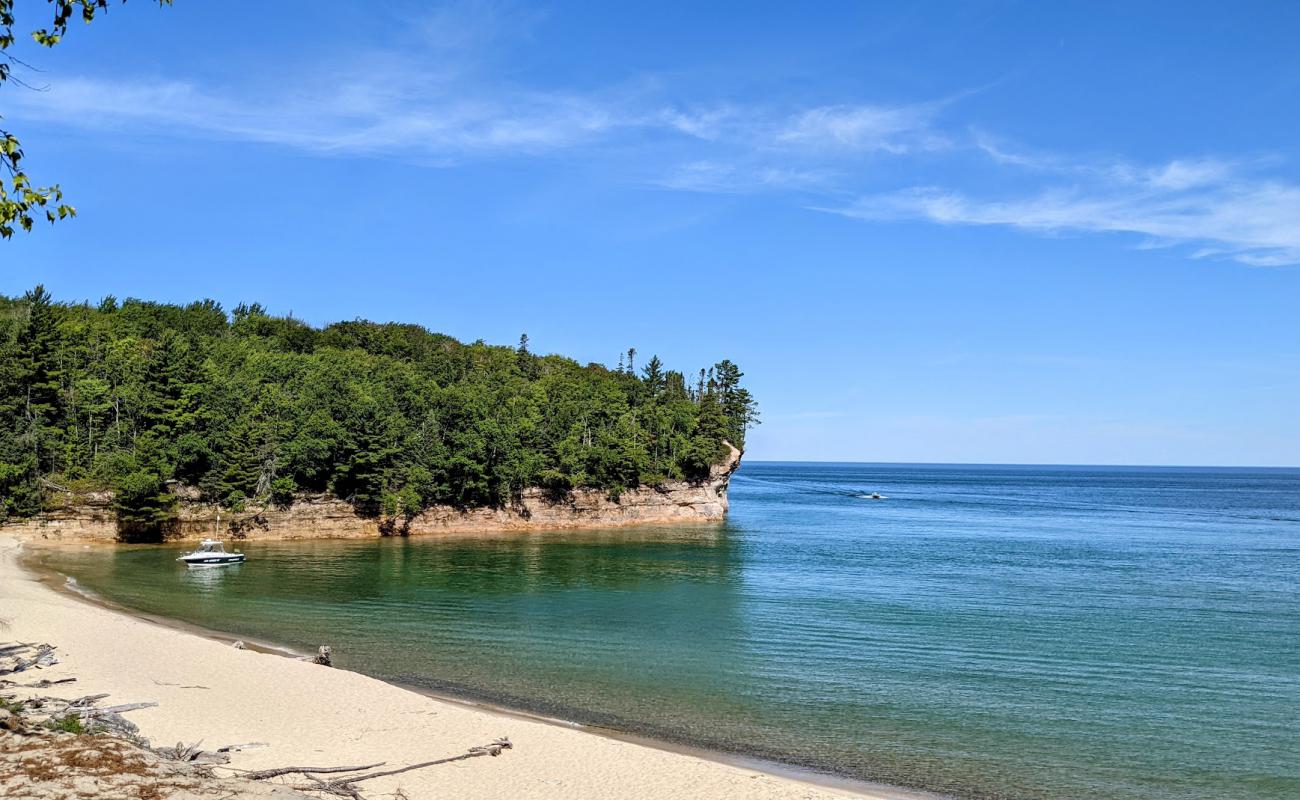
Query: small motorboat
point(211, 553)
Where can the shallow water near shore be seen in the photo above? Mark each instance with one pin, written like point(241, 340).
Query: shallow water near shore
point(1027, 632)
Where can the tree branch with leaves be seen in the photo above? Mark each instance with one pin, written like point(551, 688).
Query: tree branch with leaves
point(21, 201)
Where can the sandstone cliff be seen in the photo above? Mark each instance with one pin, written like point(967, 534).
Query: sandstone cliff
point(325, 517)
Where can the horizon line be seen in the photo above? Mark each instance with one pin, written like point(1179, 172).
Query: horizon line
point(1016, 464)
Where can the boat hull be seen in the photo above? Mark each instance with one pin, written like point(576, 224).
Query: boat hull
point(213, 560)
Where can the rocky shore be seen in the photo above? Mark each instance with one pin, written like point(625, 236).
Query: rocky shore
point(90, 518)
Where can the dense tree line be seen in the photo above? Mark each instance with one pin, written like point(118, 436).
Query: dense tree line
point(392, 418)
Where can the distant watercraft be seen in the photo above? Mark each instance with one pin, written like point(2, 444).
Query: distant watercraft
point(873, 496)
point(211, 553)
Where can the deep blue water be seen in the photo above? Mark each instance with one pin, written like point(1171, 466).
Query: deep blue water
point(984, 631)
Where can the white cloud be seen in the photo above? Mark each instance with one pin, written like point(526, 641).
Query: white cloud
point(399, 109)
point(863, 128)
point(729, 178)
point(432, 101)
point(376, 117)
point(1212, 205)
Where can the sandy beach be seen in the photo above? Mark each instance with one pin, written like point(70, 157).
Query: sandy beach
point(305, 713)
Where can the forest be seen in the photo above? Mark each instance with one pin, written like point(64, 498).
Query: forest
point(138, 397)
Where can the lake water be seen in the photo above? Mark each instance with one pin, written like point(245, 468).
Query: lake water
point(985, 632)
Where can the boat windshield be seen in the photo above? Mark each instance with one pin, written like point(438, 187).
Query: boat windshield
point(208, 546)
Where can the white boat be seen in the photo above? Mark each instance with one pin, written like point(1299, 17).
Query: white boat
point(211, 553)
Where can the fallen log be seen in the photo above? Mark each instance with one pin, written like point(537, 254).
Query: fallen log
point(113, 723)
point(493, 749)
point(119, 709)
point(44, 658)
point(235, 748)
point(263, 774)
point(46, 683)
point(87, 701)
point(345, 786)
point(193, 754)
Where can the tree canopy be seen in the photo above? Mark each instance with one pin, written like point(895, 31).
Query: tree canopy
point(391, 417)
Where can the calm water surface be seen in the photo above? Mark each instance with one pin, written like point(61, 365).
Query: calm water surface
point(987, 632)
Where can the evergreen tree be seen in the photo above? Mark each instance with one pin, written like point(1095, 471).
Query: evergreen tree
point(252, 408)
point(738, 406)
point(143, 506)
point(38, 374)
point(653, 375)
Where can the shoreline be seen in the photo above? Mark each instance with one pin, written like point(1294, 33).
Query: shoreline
point(88, 517)
point(59, 582)
point(678, 771)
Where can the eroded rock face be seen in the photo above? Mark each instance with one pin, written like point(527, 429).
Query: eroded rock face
point(326, 517)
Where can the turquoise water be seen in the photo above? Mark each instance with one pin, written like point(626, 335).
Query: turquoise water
point(987, 632)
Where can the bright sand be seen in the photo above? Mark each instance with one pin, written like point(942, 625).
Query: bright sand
point(313, 715)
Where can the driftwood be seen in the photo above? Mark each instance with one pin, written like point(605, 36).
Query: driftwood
point(85, 710)
point(345, 786)
point(324, 656)
point(194, 754)
point(87, 701)
point(235, 748)
point(121, 709)
point(43, 657)
point(263, 774)
point(17, 657)
point(493, 749)
point(45, 683)
point(179, 685)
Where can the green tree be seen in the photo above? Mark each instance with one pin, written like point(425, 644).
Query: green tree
point(130, 395)
point(282, 492)
point(38, 373)
point(738, 405)
point(143, 506)
point(653, 375)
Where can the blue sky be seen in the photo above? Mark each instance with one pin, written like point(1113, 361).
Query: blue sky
point(991, 232)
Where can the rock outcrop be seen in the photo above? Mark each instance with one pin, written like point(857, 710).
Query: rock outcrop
point(326, 517)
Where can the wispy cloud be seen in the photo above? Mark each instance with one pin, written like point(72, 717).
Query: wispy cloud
point(864, 129)
point(730, 178)
point(1214, 207)
point(400, 111)
point(358, 118)
point(435, 99)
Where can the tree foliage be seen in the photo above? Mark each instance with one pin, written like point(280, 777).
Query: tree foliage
point(21, 201)
point(392, 418)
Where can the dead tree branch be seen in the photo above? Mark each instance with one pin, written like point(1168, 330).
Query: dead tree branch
point(346, 786)
point(263, 774)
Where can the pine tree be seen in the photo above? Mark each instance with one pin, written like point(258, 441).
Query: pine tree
point(654, 375)
point(38, 376)
point(127, 396)
point(525, 360)
point(737, 404)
